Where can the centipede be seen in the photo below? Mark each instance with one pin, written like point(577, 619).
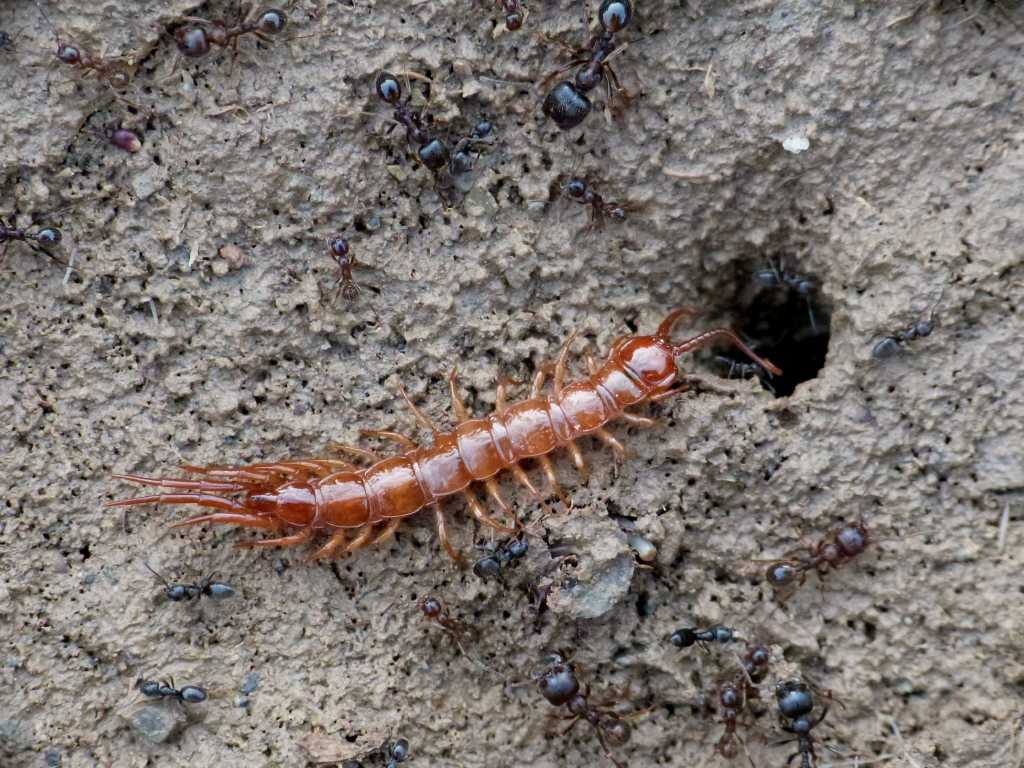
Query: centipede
point(355, 507)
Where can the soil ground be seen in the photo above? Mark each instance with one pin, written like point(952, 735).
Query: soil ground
point(163, 348)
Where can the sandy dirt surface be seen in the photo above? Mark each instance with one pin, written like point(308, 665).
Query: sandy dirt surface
point(161, 349)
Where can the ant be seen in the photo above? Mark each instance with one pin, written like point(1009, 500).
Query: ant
point(461, 160)
point(558, 684)
point(600, 208)
point(394, 752)
point(795, 705)
point(689, 636)
point(116, 71)
point(893, 345)
point(341, 253)
point(435, 610)
point(734, 694)
point(189, 694)
point(741, 369)
point(514, 14)
point(567, 104)
point(491, 565)
point(778, 277)
point(195, 38)
point(40, 241)
point(838, 548)
point(210, 588)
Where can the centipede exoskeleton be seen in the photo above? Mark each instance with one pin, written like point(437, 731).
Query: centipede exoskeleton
point(298, 499)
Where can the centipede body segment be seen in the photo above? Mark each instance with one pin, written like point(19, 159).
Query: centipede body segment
point(356, 507)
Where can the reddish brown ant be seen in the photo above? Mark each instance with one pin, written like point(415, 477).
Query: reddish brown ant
point(600, 209)
point(736, 692)
point(195, 38)
point(515, 14)
point(567, 104)
point(839, 547)
point(115, 71)
point(558, 684)
point(341, 252)
point(435, 610)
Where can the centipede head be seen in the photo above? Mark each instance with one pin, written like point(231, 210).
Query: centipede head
point(648, 360)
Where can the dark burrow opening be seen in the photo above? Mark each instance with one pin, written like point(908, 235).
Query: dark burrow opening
point(781, 314)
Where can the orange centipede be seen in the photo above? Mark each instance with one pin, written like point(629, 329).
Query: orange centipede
point(298, 499)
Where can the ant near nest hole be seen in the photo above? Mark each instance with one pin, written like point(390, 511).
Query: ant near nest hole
point(567, 103)
point(896, 343)
point(116, 71)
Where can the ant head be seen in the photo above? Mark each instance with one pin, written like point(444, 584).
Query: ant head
point(49, 237)
point(648, 360)
point(431, 607)
point(192, 41)
point(614, 15)
point(271, 21)
point(399, 751)
point(587, 79)
point(794, 698)
point(729, 696)
point(513, 21)
point(339, 247)
point(576, 188)
point(683, 638)
point(388, 87)
point(69, 54)
point(558, 684)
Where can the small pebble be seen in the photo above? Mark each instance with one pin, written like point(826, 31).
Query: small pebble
point(156, 723)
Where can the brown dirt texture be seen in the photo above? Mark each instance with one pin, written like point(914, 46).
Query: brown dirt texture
point(162, 347)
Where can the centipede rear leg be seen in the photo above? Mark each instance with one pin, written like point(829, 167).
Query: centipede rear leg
point(304, 535)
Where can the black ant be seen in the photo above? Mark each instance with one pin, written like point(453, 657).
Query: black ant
point(394, 752)
point(838, 548)
point(342, 255)
point(778, 277)
point(197, 35)
point(462, 160)
point(491, 565)
point(39, 241)
point(209, 588)
point(567, 104)
point(514, 14)
point(189, 694)
point(734, 694)
point(689, 636)
point(558, 684)
point(893, 345)
point(741, 369)
point(795, 705)
point(600, 209)
point(116, 71)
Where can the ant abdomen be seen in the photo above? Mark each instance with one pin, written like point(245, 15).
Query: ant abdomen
point(566, 106)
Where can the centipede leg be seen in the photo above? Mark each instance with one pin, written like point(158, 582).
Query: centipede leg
point(492, 490)
point(202, 499)
point(442, 536)
point(182, 484)
point(538, 383)
point(522, 477)
point(549, 470)
point(366, 537)
point(611, 441)
point(461, 412)
point(388, 531)
point(421, 418)
point(577, 459)
point(560, 363)
point(327, 550)
point(481, 514)
point(396, 437)
point(284, 541)
point(230, 518)
point(637, 421)
point(248, 475)
point(363, 453)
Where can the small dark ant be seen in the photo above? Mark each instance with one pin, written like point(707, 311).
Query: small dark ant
point(795, 705)
point(778, 277)
point(462, 160)
point(491, 565)
point(893, 345)
point(197, 35)
point(116, 71)
point(39, 241)
point(838, 548)
point(394, 752)
point(567, 104)
point(600, 209)
point(431, 152)
point(740, 369)
point(343, 257)
point(689, 636)
point(559, 685)
point(189, 694)
point(515, 14)
point(209, 588)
